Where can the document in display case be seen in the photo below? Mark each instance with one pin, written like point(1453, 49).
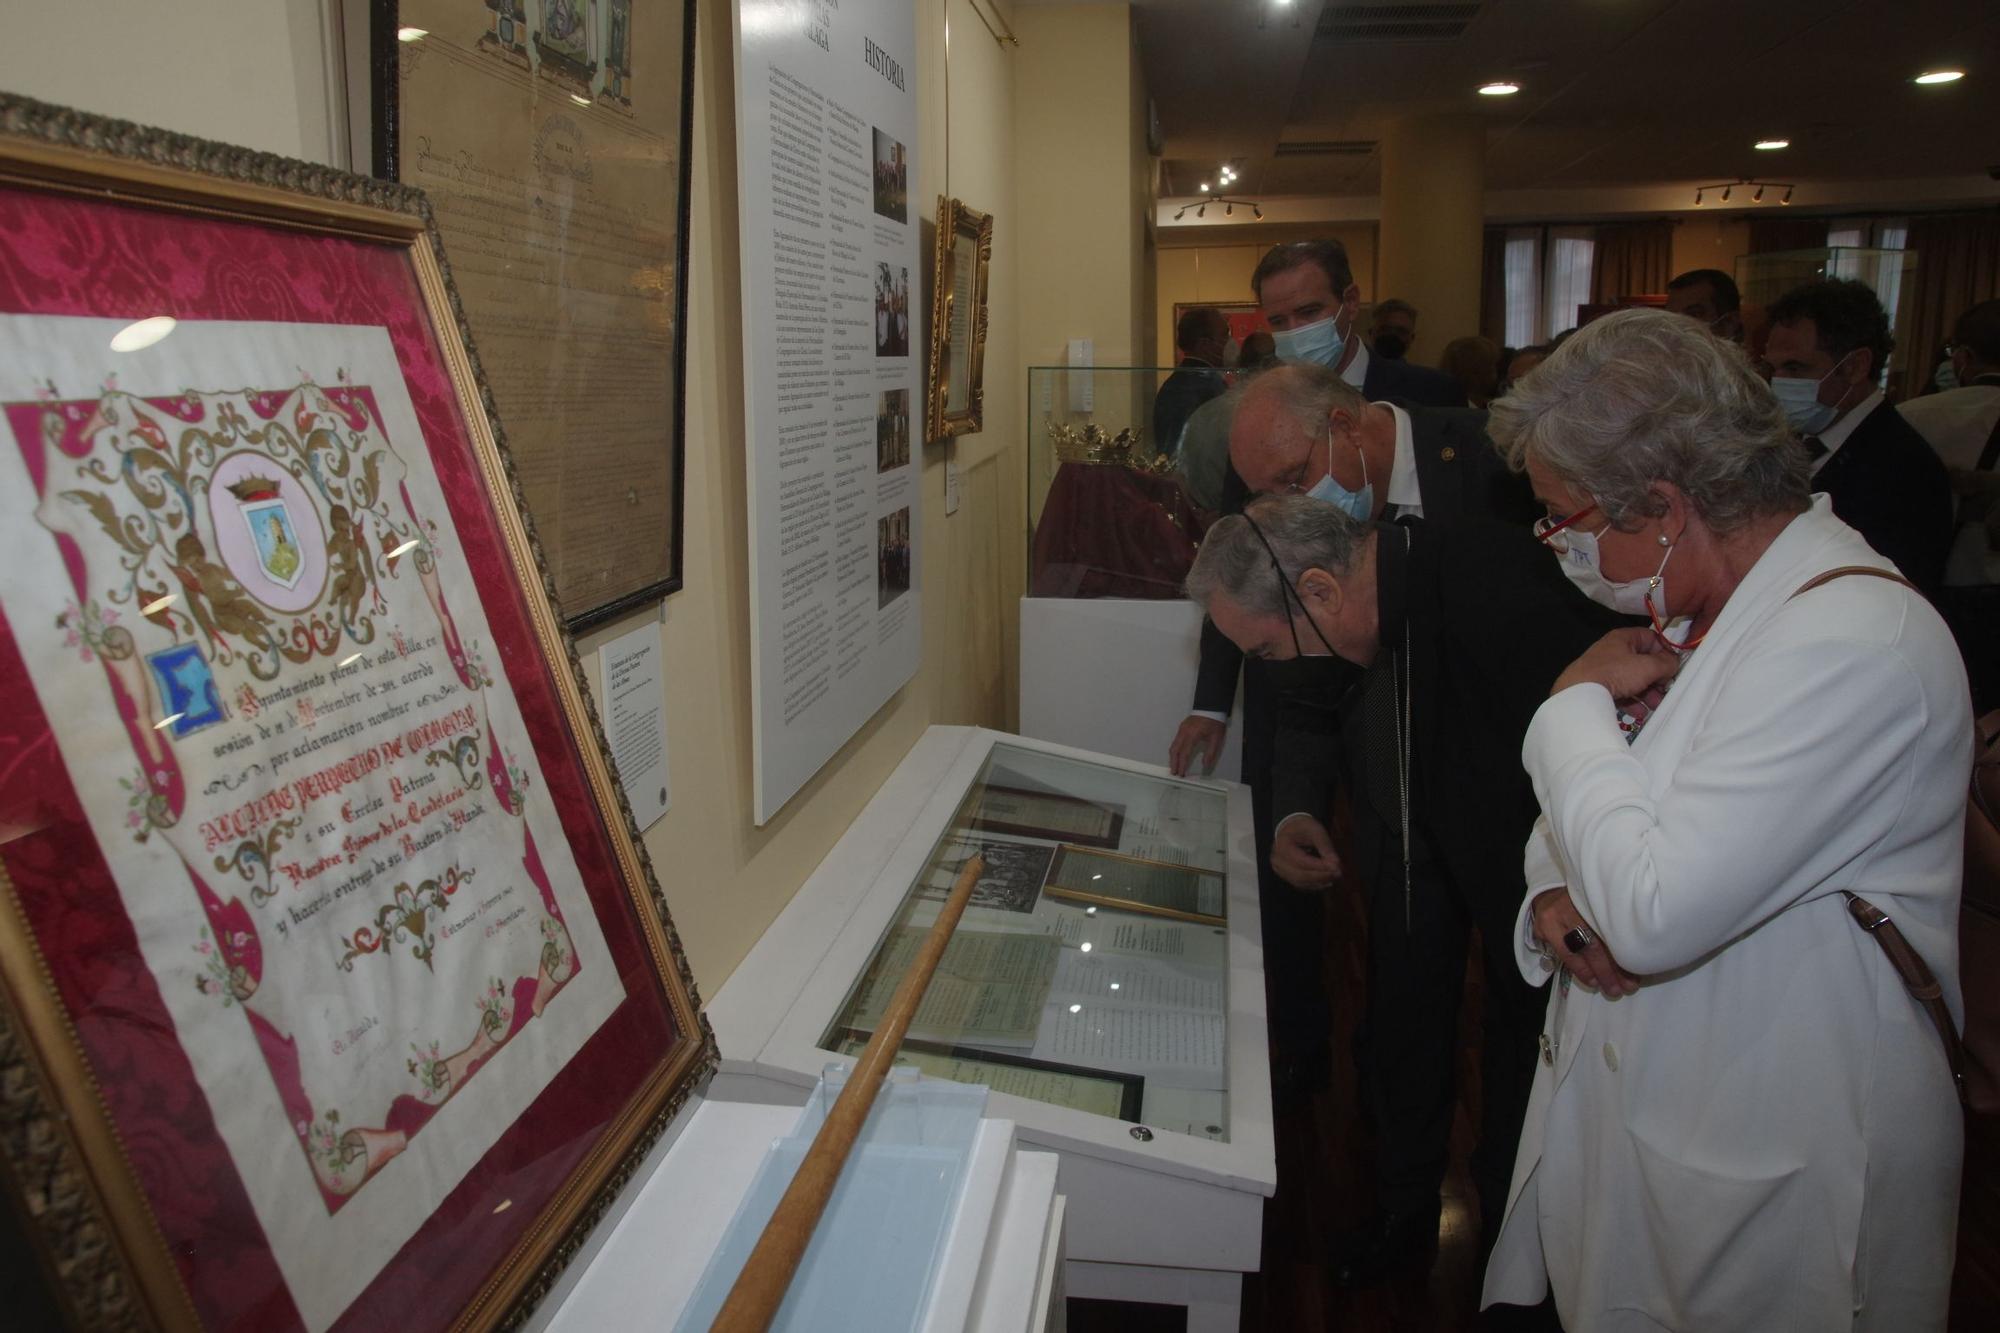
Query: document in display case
point(1105, 982)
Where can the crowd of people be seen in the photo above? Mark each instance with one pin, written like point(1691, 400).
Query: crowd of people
point(1648, 670)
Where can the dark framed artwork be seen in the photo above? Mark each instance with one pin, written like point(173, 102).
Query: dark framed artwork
point(336, 989)
point(554, 141)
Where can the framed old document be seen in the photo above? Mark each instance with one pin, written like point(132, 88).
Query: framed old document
point(336, 990)
point(1046, 814)
point(1137, 884)
point(553, 137)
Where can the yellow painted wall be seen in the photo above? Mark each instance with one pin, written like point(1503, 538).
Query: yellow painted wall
point(1082, 183)
point(1710, 243)
point(725, 879)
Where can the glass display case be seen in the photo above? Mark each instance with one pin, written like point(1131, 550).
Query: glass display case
point(1106, 983)
point(1091, 967)
point(1125, 473)
point(1765, 277)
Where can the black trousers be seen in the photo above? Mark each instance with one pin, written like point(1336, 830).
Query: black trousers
point(1293, 921)
point(1407, 1046)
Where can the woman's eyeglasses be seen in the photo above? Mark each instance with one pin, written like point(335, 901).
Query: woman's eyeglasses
point(1554, 533)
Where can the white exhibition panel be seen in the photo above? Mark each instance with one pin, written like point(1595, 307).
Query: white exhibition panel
point(1174, 1200)
point(826, 138)
point(1114, 675)
point(995, 1273)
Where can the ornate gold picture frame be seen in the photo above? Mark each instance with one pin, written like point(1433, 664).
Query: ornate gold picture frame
point(271, 577)
point(955, 401)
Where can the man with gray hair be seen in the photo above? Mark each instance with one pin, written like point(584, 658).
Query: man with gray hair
point(1461, 628)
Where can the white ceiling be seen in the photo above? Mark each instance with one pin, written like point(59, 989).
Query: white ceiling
point(1614, 92)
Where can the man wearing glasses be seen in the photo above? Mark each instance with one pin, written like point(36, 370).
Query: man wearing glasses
point(1301, 431)
point(1461, 628)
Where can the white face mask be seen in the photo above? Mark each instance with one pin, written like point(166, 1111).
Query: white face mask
point(1633, 597)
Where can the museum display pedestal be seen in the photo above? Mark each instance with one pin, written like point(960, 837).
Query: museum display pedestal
point(1160, 1110)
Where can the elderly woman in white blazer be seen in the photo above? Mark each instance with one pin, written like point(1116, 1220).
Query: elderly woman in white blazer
point(1742, 1119)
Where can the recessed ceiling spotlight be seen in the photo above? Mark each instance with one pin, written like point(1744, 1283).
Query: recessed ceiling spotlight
point(1204, 187)
point(1772, 145)
point(1499, 88)
point(1940, 76)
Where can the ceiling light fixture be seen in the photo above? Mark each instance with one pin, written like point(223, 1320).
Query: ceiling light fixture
point(1725, 193)
point(1204, 187)
point(1772, 145)
point(1257, 212)
point(1201, 212)
point(1499, 88)
point(1758, 197)
point(1788, 196)
point(1229, 210)
point(1697, 198)
point(1931, 76)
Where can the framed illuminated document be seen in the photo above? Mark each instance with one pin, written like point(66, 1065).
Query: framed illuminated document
point(553, 138)
point(335, 986)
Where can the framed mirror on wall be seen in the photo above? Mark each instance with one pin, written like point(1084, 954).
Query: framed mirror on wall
point(956, 394)
point(554, 140)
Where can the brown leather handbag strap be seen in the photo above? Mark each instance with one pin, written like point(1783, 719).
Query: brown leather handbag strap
point(1917, 979)
point(1909, 964)
point(1842, 571)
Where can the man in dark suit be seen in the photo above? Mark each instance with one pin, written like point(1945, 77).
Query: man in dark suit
point(1308, 296)
point(1203, 338)
point(1460, 628)
point(1827, 344)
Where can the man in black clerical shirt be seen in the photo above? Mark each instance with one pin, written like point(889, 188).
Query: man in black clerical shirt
point(1460, 629)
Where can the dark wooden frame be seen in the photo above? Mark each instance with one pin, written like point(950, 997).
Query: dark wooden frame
point(384, 152)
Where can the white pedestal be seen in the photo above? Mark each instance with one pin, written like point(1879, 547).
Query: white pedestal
point(1113, 675)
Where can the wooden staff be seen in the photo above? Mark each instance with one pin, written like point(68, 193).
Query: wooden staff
point(767, 1274)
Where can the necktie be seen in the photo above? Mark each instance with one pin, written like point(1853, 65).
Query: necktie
point(1815, 450)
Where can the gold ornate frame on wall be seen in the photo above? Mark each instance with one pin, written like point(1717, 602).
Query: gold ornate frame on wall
point(955, 392)
point(63, 1158)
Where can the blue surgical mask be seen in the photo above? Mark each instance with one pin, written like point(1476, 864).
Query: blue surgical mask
point(1355, 504)
point(1800, 399)
point(1320, 343)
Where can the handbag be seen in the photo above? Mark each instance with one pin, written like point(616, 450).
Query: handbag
point(1974, 1058)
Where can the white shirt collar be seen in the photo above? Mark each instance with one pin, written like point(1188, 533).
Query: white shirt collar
point(1357, 369)
point(1404, 491)
point(1836, 435)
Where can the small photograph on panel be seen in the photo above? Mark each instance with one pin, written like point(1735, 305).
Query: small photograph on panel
point(892, 179)
point(892, 556)
point(892, 311)
point(892, 429)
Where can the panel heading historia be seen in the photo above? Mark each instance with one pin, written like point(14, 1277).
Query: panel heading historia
point(832, 289)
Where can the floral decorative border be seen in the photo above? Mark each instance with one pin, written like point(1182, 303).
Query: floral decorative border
point(56, 1142)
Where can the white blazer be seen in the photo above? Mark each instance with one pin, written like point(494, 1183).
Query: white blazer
point(1765, 1136)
